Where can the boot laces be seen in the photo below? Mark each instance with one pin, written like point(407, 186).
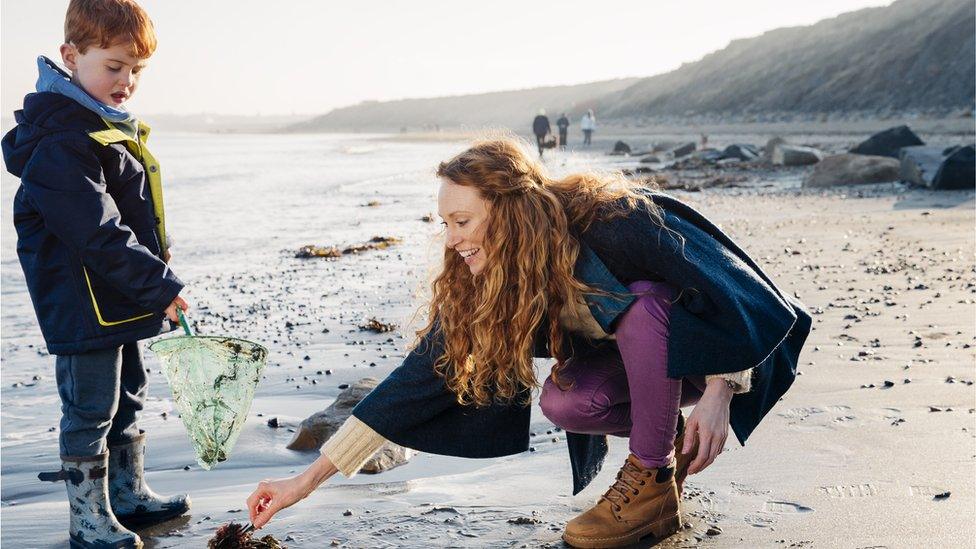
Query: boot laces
point(629, 480)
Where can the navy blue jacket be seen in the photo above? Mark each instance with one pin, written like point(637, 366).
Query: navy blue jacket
point(87, 232)
point(728, 317)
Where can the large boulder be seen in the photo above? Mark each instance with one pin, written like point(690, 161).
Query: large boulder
point(920, 164)
point(852, 169)
point(795, 155)
point(317, 428)
point(620, 148)
point(929, 167)
point(683, 149)
point(958, 170)
point(740, 151)
point(888, 142)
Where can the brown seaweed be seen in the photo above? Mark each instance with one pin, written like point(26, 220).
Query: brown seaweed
point(377, 327)
point(375, 243)
point(236, 536)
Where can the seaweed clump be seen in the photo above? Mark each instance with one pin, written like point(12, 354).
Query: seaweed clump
point(377, 327)
point(236, 536)
point(375, 243)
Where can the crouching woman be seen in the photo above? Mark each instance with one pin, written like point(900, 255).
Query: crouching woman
point(645, 305)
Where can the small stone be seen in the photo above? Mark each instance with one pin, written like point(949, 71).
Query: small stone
point(344, 386)
point(273, 423)
point(943, 495)
point(713, 531)
point(888, 383)
point(347, 513)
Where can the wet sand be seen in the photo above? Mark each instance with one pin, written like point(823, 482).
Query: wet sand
point(843, 461)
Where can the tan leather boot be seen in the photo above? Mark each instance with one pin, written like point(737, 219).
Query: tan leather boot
point(682, 460)
point(641, 502)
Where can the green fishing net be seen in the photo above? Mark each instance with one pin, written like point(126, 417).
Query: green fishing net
point(213, 381)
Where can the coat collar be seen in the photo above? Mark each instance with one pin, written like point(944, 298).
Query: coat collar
point(591, 271)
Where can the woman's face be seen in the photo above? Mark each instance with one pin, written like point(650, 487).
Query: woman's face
point(465, 215)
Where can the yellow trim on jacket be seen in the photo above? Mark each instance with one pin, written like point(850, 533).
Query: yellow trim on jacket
point(98, 312)
point(149, 163)
point(151, 166)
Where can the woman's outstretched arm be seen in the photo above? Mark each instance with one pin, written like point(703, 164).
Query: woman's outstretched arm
point(272, 496)
point(346, 451)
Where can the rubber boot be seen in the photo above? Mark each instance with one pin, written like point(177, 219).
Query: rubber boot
point(640, 502)
point(134, 503)
point(682, 460)
point(92, 525)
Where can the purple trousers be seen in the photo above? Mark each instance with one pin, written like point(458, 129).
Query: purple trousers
point(624, 390)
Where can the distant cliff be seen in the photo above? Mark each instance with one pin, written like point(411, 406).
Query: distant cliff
point(911, 56)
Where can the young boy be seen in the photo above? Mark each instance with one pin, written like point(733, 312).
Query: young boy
point(92, 243)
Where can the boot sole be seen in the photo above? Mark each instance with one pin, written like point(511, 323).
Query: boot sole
point(659, 529)
point(135, 522)
point(80, 544)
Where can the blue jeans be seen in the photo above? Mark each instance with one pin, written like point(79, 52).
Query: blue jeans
point(101, 393)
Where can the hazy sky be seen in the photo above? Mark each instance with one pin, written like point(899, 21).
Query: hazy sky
point(304, 56)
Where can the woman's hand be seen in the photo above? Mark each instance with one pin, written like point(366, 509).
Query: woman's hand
point(709, 421)
point(272, 496)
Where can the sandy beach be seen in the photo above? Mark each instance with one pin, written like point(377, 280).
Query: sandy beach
point(872, 447)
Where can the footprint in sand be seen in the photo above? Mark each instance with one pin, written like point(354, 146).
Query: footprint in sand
point(759, 520)
point(925, 491)
point(786, 507)
point(850, 491)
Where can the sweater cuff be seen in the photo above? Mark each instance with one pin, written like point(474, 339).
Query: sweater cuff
point(352, 446)
point(742, 380)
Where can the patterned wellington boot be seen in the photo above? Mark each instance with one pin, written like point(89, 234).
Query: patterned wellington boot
point(92, 525)
point(134, 503)
point(682, 460)
point(641, 502)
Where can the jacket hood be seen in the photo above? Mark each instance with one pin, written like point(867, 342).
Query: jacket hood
point(43, 114)
point(52, 78)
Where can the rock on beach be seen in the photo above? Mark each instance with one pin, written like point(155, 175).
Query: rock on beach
point(852, 169)
point(888, 142)
point(795, 155)
point(320, 426)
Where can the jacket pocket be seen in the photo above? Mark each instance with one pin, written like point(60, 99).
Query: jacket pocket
point(111, 308)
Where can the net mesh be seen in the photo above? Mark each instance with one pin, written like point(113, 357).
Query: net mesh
point(213, 381)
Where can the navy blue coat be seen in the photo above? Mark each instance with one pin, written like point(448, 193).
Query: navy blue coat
point(87, 230)
point(728, 317)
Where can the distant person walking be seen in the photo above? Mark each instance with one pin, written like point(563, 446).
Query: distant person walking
point(563, 125)
point(588, 124)
point(541, 128)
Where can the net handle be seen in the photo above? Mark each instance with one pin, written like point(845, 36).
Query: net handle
point(183, 322)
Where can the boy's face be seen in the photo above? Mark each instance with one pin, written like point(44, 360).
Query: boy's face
point(110, 75)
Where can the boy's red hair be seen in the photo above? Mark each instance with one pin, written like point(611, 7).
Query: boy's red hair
point(105, 23)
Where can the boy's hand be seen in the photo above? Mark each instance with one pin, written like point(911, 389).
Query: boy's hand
point(167, 256)
point(180, 303)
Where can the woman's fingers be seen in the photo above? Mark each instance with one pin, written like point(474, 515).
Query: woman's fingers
point(258, 501)
point(266, 512)
point(691, 431)
point(716, 447)
point(704, 447)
